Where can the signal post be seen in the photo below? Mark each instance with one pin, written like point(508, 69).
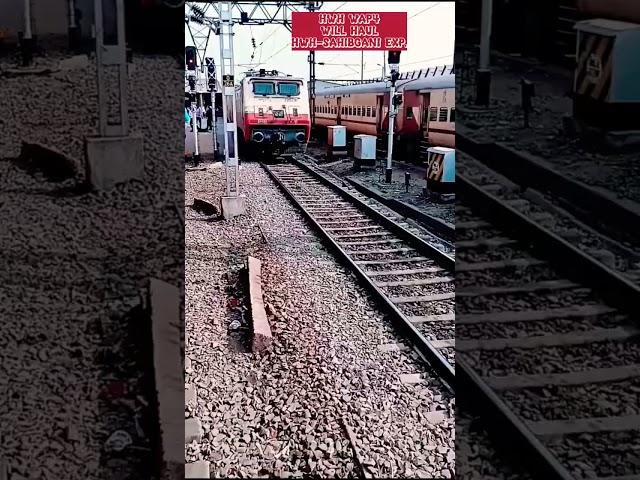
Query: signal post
point(232, 204)
point(115, 155)
point(394, 65)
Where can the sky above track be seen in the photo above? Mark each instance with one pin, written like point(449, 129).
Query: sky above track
point(430, 30)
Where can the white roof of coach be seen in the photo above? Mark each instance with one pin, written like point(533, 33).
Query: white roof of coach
point(428, 82)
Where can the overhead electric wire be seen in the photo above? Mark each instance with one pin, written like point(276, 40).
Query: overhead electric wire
point(405, 64)
point(339, 7)
point(426, 9)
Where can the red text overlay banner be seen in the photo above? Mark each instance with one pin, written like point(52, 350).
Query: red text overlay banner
point(348, 31)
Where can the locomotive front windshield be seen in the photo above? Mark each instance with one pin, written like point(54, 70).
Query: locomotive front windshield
point(263, 88)
point(288, 88)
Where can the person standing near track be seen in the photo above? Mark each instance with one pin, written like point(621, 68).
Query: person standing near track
point(199, 116)
point(209, 118)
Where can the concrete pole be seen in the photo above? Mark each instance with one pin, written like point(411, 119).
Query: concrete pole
point(483, 77)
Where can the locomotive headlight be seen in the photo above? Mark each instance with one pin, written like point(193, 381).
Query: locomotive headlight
point(261, 112)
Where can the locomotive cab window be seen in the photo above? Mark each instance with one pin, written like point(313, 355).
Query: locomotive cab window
point(263, 88)
point(409, 113)
point(288, 88)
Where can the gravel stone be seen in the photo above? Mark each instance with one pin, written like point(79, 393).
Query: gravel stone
point(324, 365)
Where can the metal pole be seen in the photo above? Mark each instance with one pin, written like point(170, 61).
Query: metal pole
point(384, 64)
point(72, 14)
point(485, 34)
point(312, 86)
point(483, 78)
point(389, 170)
point(228, 99)
point(196, 152)
point(27, 40)
point(27, 19)
point(111, 56)
point(74, 28)
point(361, 66)
point(213, 120)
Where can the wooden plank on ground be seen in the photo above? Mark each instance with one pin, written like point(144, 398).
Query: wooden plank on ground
point(547, 428)
point(498, 265)
point(448, 343)
point(494, 242)
point(424, 298)
point(553, 285)
point(373, 242)
point(415, 283)
point(583, 311)
point(405, 272)
point(164, 302)
point(447, 317)
point(379, 252)
point(556, 340)
point(596, 375)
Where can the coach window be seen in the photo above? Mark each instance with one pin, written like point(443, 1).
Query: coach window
point(288, 88)
point(443, 114)
point(452, 115)
point(368, 111)
point(433, 114)
point(263, 88)
point(358, 111)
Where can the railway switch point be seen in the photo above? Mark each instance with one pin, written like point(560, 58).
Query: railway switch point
point(113, 160)
point(233, 206)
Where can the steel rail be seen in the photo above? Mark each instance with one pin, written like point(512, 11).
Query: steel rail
point(423, 346)
point(505, 427)
point(527, 170)
point(440, 227)
point(444, 260)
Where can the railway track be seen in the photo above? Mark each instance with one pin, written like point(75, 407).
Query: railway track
point(433, 224)
point(597, 223)
point(547, 344)
point(410, 277)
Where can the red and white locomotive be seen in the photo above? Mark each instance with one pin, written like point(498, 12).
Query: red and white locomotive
point(273, 113)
